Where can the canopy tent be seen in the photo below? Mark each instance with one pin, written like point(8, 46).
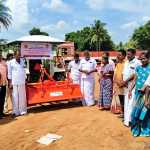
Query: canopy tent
point(31, 43)
point(38, 38)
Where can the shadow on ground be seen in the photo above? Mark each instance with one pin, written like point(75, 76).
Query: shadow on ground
point(7, 119)
point(54, 106)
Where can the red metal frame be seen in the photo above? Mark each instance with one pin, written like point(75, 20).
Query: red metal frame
point(51, 91)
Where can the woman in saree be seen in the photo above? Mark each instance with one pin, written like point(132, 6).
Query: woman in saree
point(146, 91)
point(117, 105)
point(140, 117)
point(106, 86)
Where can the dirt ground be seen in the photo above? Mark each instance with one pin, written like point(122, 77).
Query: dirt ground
point(82, 128)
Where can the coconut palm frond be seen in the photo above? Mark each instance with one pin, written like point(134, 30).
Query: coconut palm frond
point(5, 17)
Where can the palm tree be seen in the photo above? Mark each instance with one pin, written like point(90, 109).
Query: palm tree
point(98, 34)
point(5, 17)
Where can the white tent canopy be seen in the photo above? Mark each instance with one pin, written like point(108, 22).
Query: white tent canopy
point(38, 38)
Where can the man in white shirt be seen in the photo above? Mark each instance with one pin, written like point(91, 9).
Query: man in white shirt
point(16, 76)
point(87, 68)
point(73, 68)
point(128, 72)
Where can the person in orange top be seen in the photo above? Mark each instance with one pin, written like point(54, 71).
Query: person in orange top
point(117, 105)
point(3, 82)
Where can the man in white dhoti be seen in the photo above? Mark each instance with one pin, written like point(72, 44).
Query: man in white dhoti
point(87, 68)
point(73, 68)
point(128, 72)
point(16, 76)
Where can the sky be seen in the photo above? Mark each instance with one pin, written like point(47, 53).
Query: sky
point(58, 17)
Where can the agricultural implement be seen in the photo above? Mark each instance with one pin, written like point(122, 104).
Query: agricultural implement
point(47, 91)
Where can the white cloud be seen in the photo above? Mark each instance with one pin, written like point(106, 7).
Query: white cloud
point(96, 4)
point(136, 23)
point(123, 5)
point(59, 29)
point(60, 25)
point(19, 12)
point(57, 5)
point(130, 25)
point(146, 18)
point(126, 5)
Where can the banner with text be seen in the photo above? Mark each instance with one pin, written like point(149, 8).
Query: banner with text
point(36, 49)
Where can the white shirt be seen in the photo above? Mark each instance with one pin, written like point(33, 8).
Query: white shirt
point(74, 67)
point(129, 68)
point(88, 66)
point(16, 72)
point(147, 82)
point(7, 62)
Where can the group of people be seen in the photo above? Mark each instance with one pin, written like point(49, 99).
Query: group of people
point(124, 86)
point(12, 84)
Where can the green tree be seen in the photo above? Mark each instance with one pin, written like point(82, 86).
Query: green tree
point(141, 37)
point(130, 44)
point(93, 37)
point(37, 31)
point(119, 46)
point(72, 37)
point(98, 33)
point(5, 17)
